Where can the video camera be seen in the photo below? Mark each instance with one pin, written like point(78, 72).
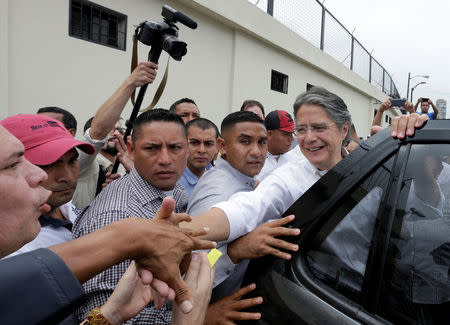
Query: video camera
point(160, 36)
point(163, 35)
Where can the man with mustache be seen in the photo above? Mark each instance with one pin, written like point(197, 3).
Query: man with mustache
point(50, 146)
point(158, 146)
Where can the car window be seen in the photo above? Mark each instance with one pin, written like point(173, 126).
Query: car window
point(416, 288)
point(340, 249)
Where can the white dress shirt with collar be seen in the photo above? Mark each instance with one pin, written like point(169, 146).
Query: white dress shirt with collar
point(273, 162)
point(273, 196)
point(52, 233)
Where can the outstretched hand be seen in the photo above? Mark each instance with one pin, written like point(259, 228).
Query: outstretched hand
point(199, 278)
point(130, 296)
point(123, 155)
point(230, 309)
point(173, 246)
point(262, 241)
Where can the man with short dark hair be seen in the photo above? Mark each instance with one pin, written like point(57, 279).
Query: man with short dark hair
point(243, 147)
point(158, 145)
point(254, 106)
point(50, 146)
point(60, 114)
point(280, 129)
point(185, 108)
point(425, 106)
point(202, 144)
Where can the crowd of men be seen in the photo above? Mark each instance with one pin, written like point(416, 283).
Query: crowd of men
point(67, 221)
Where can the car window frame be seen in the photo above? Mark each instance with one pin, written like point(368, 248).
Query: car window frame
point(398, 215)
point(302, 271)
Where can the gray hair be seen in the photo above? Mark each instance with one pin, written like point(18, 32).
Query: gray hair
point(333, 105)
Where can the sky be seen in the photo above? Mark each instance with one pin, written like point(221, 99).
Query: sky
point(405, 36)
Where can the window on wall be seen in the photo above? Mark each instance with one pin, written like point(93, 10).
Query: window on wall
point(279, 82)
point(92, 22)
point(309, 86)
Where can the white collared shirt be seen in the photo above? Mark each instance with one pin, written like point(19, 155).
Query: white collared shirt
point(273, 196)
point(51, 234)
point(273, 163)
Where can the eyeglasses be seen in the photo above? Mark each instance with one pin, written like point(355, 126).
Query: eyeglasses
point(317, 128)
point(120, 130)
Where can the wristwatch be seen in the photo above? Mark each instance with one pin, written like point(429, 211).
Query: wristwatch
point(96, 317)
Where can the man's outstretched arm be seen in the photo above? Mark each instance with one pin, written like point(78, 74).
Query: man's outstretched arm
point(154, 245)
point(109, 113)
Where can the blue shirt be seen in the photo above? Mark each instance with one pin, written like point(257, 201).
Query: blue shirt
point(215, 186)
point(189, 180)
point(430, 115)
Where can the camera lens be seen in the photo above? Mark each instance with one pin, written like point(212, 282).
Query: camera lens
point(175, 47)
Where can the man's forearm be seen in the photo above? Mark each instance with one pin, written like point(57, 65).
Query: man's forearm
point(217, 222)
point(377, 118)
point(92, 254)
point(109, 113)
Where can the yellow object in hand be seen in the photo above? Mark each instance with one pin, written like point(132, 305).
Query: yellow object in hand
point(213, 256)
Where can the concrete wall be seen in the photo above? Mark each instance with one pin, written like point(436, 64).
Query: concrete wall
point(230, 58)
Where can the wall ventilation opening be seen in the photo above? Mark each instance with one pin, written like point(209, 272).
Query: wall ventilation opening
point(279, 82)
point(94, 23)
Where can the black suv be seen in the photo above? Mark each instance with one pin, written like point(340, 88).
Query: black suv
point(375, 241)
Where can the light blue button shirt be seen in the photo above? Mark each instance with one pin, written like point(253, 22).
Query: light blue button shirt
point(189, 180)
point(215, 186)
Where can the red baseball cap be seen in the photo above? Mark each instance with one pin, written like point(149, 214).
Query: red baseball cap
point(44, 138)
point(279, 120)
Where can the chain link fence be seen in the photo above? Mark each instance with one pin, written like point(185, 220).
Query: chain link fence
point(313, 22)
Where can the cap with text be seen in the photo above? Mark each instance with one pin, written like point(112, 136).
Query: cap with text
point(44, 138)
point(279, 120)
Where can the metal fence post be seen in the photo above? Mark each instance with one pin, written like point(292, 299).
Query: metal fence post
point(351, 56)
point(322, 28)
point(270, 7)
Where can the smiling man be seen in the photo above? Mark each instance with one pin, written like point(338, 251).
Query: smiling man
point(158, 145)
point(50, 146)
